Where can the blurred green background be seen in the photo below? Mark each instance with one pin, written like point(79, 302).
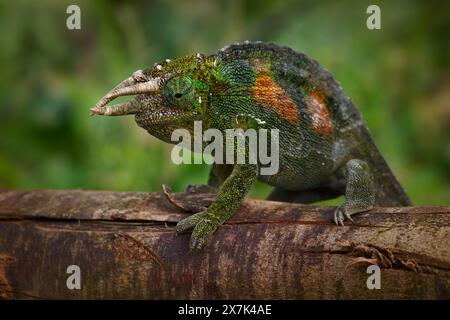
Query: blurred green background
point(50, 76)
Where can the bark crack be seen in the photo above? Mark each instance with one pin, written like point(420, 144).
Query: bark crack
point(135, 249)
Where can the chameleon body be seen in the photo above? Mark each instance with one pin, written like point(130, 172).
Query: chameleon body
point(325, 149)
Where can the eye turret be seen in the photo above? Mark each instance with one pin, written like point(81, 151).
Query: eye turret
point(179, 91)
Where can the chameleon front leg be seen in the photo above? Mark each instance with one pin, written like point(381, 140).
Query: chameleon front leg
point(359, 191)
point(230, 195)
point(234, 186)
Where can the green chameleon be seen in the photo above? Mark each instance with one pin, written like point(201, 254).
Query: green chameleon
point(325, 148)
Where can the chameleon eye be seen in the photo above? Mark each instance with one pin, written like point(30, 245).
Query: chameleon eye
point(179, 91)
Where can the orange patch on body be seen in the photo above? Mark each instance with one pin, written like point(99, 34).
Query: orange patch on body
point(271, 95)
point(320, 118)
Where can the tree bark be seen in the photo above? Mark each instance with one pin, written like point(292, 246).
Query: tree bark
point(126, 247)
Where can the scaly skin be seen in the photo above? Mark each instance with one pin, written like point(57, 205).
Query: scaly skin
point(325, 147)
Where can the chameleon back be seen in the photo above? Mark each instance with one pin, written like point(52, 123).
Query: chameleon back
point(320, 127)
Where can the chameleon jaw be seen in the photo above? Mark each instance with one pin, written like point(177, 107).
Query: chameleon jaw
point(164, 117)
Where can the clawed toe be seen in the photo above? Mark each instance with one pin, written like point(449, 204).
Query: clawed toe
point(347, 215)
point(202, 231)
point(189, 222)
point(203, 226)
point(340, 214)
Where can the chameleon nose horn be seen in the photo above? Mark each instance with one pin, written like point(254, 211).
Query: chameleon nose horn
point(136, 84)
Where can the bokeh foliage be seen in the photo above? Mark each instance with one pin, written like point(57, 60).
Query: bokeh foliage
point(50, 76)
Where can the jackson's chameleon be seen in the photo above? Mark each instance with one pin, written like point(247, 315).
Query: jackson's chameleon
point(325, 149)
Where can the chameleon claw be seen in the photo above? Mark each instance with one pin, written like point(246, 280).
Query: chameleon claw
point(202, 231)
point(347, 215)
point(339, 217)
point(335, 218)
point(203, 226)
point(189, 222)
point(195, 244)
point(340, 214)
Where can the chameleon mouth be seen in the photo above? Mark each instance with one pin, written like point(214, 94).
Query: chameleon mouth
point(164, 116)
point(138, 83)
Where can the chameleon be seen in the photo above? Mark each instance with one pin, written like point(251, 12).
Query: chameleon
point(325, 148)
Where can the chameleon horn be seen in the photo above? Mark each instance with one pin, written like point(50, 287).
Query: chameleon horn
point(137, 76)
point(149, 86)
point(128, 107)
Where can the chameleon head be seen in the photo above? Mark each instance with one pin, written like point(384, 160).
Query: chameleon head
point(168, 96)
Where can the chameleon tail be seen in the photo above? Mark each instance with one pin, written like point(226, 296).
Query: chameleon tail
point(389, 192)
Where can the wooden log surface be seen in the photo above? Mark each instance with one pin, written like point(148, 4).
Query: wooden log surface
point(126, 247)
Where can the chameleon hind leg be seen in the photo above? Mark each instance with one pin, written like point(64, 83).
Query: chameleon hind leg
point(359, 191)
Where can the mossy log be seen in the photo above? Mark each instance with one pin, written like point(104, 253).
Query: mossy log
point(126, 247)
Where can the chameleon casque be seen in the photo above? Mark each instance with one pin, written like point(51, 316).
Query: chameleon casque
point(325, 148)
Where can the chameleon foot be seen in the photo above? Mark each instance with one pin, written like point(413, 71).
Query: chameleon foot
point(359, 191)
point(204, 226)
point(340, 214)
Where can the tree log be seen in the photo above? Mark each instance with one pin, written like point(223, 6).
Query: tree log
point(126, 247)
